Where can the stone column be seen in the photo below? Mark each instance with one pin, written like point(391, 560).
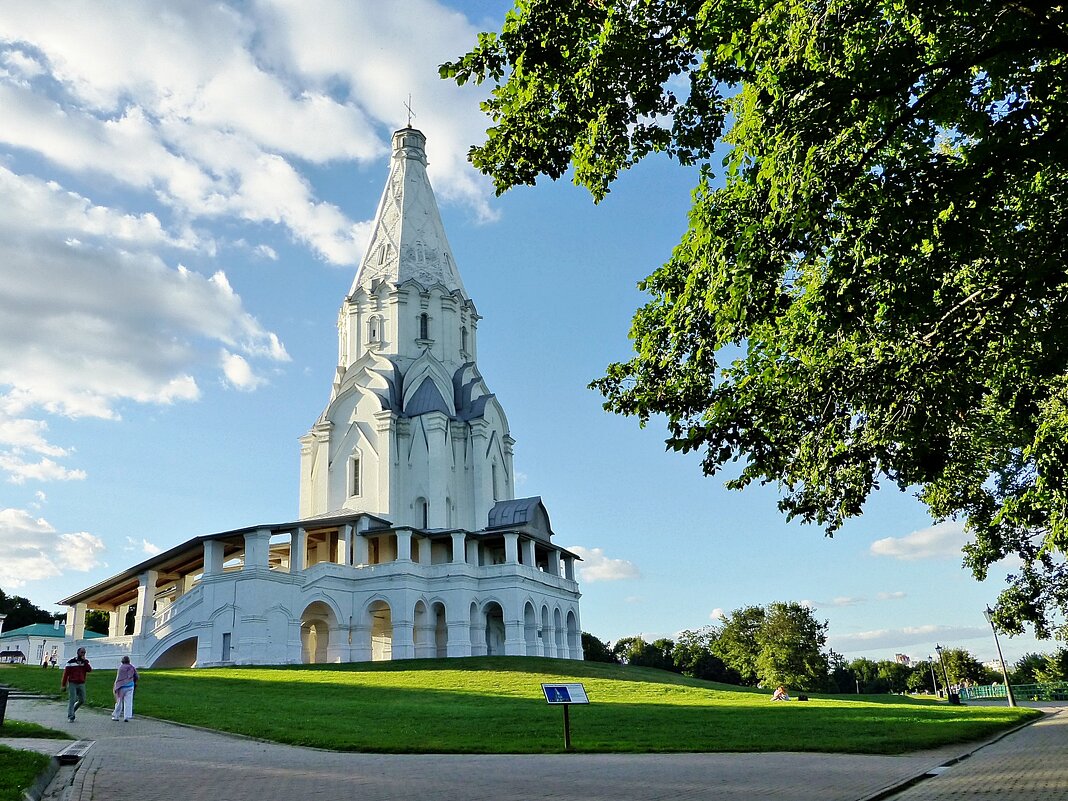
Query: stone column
point(472, 552)
point(514, 641)
point(298, 547)
point(257, 547)
point(569, 568)
point(554, 563)
point(115, 621)
point(75, 628)
point(458, 545)
point(511, 547)
point(344, 545)
point(527, 548)
point(403, 644)
point(213, 557)
point(459, 643)
point(146, 598)
point(361, 553)
point(404, 546)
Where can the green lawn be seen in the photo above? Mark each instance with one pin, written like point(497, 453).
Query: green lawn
point(18, 769)
point(494, 705)
point(19, 728)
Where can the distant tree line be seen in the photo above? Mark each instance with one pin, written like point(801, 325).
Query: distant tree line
point(783, 643)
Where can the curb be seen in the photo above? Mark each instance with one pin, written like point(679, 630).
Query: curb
point(40, 784)
point(904, 784)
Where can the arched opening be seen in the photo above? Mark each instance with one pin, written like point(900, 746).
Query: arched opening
point(316, 623)
point(495, 634)
point(422, 513)
point(441, 630)
point(180, 655)
point(381, 631)
point(530, 629)
point(574, 637)
point(463, 339)
point(424, 326)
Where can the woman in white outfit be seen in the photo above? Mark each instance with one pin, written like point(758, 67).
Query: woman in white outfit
point(125, 683)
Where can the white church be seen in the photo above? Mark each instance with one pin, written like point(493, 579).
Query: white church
point(410, 542)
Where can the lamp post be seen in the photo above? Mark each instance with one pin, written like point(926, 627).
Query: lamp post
point(934, 681)
point(988, 613)
point(945, 675)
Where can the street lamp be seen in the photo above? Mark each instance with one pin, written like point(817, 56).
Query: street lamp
point(945, 674)
point(934, 681)
point(988, 613)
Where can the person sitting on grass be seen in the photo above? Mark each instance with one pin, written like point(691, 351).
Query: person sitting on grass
point(780, 694)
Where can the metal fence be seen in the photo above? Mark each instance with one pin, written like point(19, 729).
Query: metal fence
point(1056, 691)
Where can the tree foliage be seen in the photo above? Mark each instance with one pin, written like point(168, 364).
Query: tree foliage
point(21, 612)
point(695, 656)
point(781, 643)
point(961, 666)
point(595, 650)
point(884, 247)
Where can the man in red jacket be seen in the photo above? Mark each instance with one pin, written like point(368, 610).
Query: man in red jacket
point(74, 674)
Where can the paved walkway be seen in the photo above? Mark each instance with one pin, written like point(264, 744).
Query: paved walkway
point(1029, 765)
point(150, 760)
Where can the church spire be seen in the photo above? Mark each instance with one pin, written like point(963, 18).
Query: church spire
point(407, 237)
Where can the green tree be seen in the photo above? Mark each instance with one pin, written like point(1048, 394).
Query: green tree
point(895, 674)
point(866, 672)
point(1054, 668)
point(1026, 668)
point(791, 648)
point(21, 612)
point(636, 651)
point(884, 249)
point(694, 656)
point(97, 620)
point(594, 650)
point(842, 678)
point(737, 643)
point(919, 678)
point(962, 666)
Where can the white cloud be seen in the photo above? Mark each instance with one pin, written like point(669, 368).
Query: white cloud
point(31, 549)
point(19, 470)
point(941, 541)
point(717, 614)
point(142, 545)
point(902, 637)
point(595, 566)
point(238, 372)
point(891, 596)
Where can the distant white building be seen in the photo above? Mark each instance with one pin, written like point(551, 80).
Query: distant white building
point(409, 540)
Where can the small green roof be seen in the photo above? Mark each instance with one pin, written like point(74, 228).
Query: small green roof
point(44, 630)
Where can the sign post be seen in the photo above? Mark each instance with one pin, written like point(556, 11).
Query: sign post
point(564, 695)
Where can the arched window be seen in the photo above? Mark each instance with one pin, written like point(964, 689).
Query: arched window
point(422, 508)
point(355, 475)
point(463, 339)
point(493, 472)
point(424, 326)
point(374, 329)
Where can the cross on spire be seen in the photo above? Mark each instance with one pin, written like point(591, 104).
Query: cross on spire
point(411, 113)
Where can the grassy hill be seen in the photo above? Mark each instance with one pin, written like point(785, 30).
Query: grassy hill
point(495, 705)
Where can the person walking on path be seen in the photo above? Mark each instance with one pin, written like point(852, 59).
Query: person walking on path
point(73, 682)
point(125, 684)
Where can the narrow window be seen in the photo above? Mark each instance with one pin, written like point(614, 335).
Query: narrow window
point(424, 326)
point(373, 329)
point(354, 482)
point(425, 512)
point(493, 471)
point(463, 339)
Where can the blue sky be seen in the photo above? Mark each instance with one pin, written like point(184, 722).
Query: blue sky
point(185, 193)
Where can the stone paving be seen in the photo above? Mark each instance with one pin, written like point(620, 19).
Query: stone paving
point(153, 760)
point(1029, 765)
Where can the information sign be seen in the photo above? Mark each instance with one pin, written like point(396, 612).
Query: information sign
point(565, 694)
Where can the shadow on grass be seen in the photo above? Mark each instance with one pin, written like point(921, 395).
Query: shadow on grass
point(494, 705)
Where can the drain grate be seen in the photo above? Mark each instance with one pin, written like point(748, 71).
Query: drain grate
point(75, 751)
